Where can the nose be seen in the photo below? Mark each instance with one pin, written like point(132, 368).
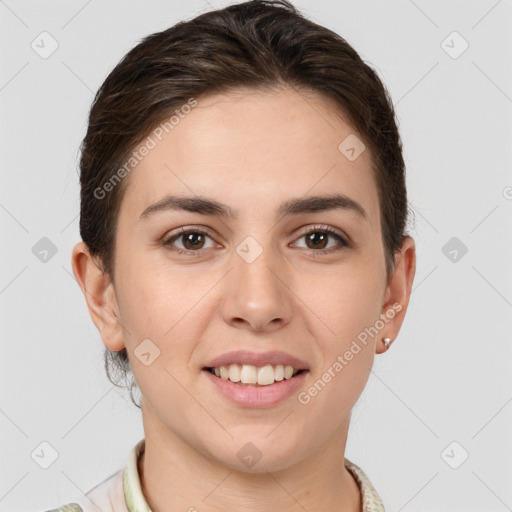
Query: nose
point(257, 296)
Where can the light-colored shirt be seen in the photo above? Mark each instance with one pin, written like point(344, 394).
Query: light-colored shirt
point(122, 492)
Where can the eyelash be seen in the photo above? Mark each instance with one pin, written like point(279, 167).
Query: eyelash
point(316, 229)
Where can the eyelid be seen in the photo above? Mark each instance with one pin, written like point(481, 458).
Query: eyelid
point(175, 234)
point(324, 227)
point(344, 241)
point(168, 236)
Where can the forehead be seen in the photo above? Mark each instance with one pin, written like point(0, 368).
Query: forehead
point(252, 148)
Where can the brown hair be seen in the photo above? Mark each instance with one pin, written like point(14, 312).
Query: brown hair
point(258, 45)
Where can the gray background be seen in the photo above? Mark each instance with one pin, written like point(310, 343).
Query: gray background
point(446, 378)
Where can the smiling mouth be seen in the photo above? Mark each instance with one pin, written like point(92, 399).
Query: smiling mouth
point(249, 375)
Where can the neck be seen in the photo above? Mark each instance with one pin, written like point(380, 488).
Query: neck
point(175, 476)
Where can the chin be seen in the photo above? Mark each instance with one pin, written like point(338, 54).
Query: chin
point(254, 457)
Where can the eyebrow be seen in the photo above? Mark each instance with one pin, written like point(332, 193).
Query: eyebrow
point(294, 206)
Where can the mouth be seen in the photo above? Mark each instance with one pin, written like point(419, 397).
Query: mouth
point(253, 376)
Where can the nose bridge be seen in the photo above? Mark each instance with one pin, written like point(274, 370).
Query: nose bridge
point(257, 291)
point(256, 263)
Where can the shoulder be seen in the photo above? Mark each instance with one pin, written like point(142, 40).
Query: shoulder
point(70, 507)
point(107, 496)
point(371, 501)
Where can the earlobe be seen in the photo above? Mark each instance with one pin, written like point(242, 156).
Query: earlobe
point(99, 295)
point(397, 294)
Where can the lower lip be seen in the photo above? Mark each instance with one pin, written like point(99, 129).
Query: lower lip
point(247, 395)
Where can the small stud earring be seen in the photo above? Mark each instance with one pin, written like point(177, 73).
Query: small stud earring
point(387, 342)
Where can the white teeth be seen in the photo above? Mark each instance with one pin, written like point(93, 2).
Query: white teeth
point(266, 375)
point(288, 372)
point(249, 374)
point(234, 373)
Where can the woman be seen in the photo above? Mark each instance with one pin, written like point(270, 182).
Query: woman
point(243, 208)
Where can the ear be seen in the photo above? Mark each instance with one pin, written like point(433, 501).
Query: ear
point(99, 295)
point(397, 293)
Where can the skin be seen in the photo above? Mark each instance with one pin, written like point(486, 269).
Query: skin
point(251, 151)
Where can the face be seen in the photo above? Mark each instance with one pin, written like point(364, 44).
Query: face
point(191, 286)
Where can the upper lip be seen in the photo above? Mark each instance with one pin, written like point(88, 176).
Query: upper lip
point(257, 359)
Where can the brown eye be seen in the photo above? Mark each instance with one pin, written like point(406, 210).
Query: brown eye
point(317, 240)
point(192, 240)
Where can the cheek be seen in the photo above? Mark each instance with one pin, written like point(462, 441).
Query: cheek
point(347, 302)
point(343, 314)
point(155, 300)
point(160, 320)
point(167, 309)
